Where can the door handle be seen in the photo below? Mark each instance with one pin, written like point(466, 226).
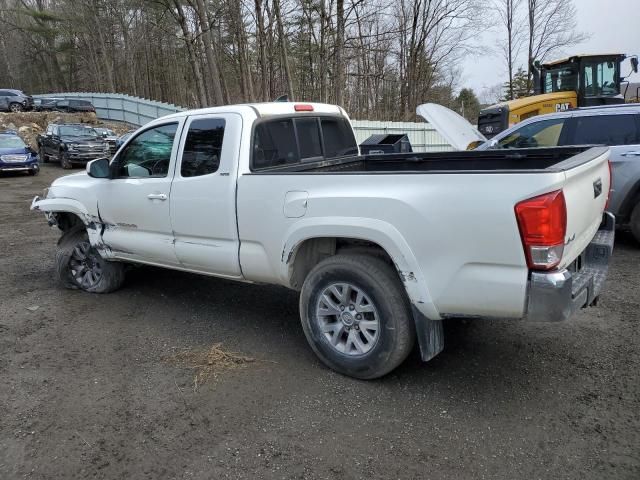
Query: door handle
point(630, 154)
point(157, 196)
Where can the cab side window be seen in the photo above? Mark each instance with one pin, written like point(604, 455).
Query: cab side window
point(148, 154)
point(607, 130)
point(201, 155)
point(545, 133)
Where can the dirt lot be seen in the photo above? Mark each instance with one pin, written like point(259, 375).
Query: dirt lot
point(90, 385)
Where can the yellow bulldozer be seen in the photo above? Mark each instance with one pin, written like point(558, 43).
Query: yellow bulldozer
point(577, 81)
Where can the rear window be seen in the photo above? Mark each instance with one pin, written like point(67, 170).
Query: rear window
point(607, 130)
point(287, 141)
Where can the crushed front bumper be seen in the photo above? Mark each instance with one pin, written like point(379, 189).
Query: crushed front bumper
point(555, 296)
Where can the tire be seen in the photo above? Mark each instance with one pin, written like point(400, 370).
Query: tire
point(634, 222)
point(63, 157)
point(94, 275)
point(43, 156)
point(383, 303)
point(33, 172)
point(15, 107)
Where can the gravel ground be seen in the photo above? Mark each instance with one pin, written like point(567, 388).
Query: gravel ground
point(88, 390)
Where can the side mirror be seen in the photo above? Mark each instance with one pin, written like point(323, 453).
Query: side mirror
point(98, 168)
point(634, 64)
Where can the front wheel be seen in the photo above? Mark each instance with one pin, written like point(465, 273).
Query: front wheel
point(356, 315)
point(16, 107)
point(65, 161)
point(80, 266)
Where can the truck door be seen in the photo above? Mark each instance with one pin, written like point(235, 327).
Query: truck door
point(134, 203)
point(203, 195)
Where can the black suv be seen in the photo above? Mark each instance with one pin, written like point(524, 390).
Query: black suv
point(69, 105)
point(71, 143)
point(15, 100)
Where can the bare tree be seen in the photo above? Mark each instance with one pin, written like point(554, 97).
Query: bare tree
point(377, 58)
point(511, 44)
point(552, 29)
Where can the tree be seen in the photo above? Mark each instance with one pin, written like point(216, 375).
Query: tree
point(378, 59)
point(520, 86)
point(468, 104)
point(551, 29)
point(507, 11)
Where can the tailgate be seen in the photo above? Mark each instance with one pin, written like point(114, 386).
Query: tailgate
point(585, 190)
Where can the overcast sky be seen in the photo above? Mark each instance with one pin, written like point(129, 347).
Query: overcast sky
point(612, 26)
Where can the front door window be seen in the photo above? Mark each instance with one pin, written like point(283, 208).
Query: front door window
point(148, 154)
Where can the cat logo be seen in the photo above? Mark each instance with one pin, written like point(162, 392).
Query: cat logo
point(561, 107)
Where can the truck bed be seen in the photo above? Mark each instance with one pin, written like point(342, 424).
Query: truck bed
point(541, 160)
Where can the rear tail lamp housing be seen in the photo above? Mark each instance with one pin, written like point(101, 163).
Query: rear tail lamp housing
point(542, 221)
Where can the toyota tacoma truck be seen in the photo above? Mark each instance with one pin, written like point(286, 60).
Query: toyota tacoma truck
point(382, 248)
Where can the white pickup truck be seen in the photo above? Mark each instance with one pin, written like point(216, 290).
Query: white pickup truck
point(383, 248)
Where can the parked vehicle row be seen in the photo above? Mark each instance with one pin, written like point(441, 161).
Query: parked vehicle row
point(616, 126)
point(382, 248)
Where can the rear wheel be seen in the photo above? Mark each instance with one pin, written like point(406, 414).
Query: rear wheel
point(16, 107)
point(356, 315)
point(635, 222)
point(80, 266)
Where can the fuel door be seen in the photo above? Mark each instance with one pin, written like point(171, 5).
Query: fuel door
point(295, 204)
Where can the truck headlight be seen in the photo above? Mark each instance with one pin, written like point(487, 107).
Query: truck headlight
point(71, 146)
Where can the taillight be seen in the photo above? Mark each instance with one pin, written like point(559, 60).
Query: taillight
point(542, 222)
point(606, 205)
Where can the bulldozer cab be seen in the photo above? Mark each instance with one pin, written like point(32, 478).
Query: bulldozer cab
point(595, 78)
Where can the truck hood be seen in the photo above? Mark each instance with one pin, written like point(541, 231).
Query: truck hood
point(453, 127)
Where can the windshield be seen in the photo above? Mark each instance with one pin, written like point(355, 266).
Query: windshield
point(7, 141)
point(104, 131)
point(560, 79)
point(77, 131)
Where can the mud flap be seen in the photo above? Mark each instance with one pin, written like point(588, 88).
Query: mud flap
point(430, 335)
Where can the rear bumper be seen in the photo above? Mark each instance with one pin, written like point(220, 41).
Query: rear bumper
point(555, 296)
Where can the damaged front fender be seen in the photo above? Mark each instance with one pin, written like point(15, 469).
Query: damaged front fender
point(52, 207)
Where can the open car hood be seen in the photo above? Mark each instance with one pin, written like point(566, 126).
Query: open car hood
point(453, 127)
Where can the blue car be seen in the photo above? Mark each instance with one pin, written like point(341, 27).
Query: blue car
point(16, 156)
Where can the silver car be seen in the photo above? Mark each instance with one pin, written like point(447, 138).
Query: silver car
point(15, 100)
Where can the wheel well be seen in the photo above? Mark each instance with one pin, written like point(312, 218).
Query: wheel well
point(67, 221)
point(312, 251)
point(627, 206)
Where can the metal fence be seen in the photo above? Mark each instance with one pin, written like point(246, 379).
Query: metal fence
point(138, 111)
